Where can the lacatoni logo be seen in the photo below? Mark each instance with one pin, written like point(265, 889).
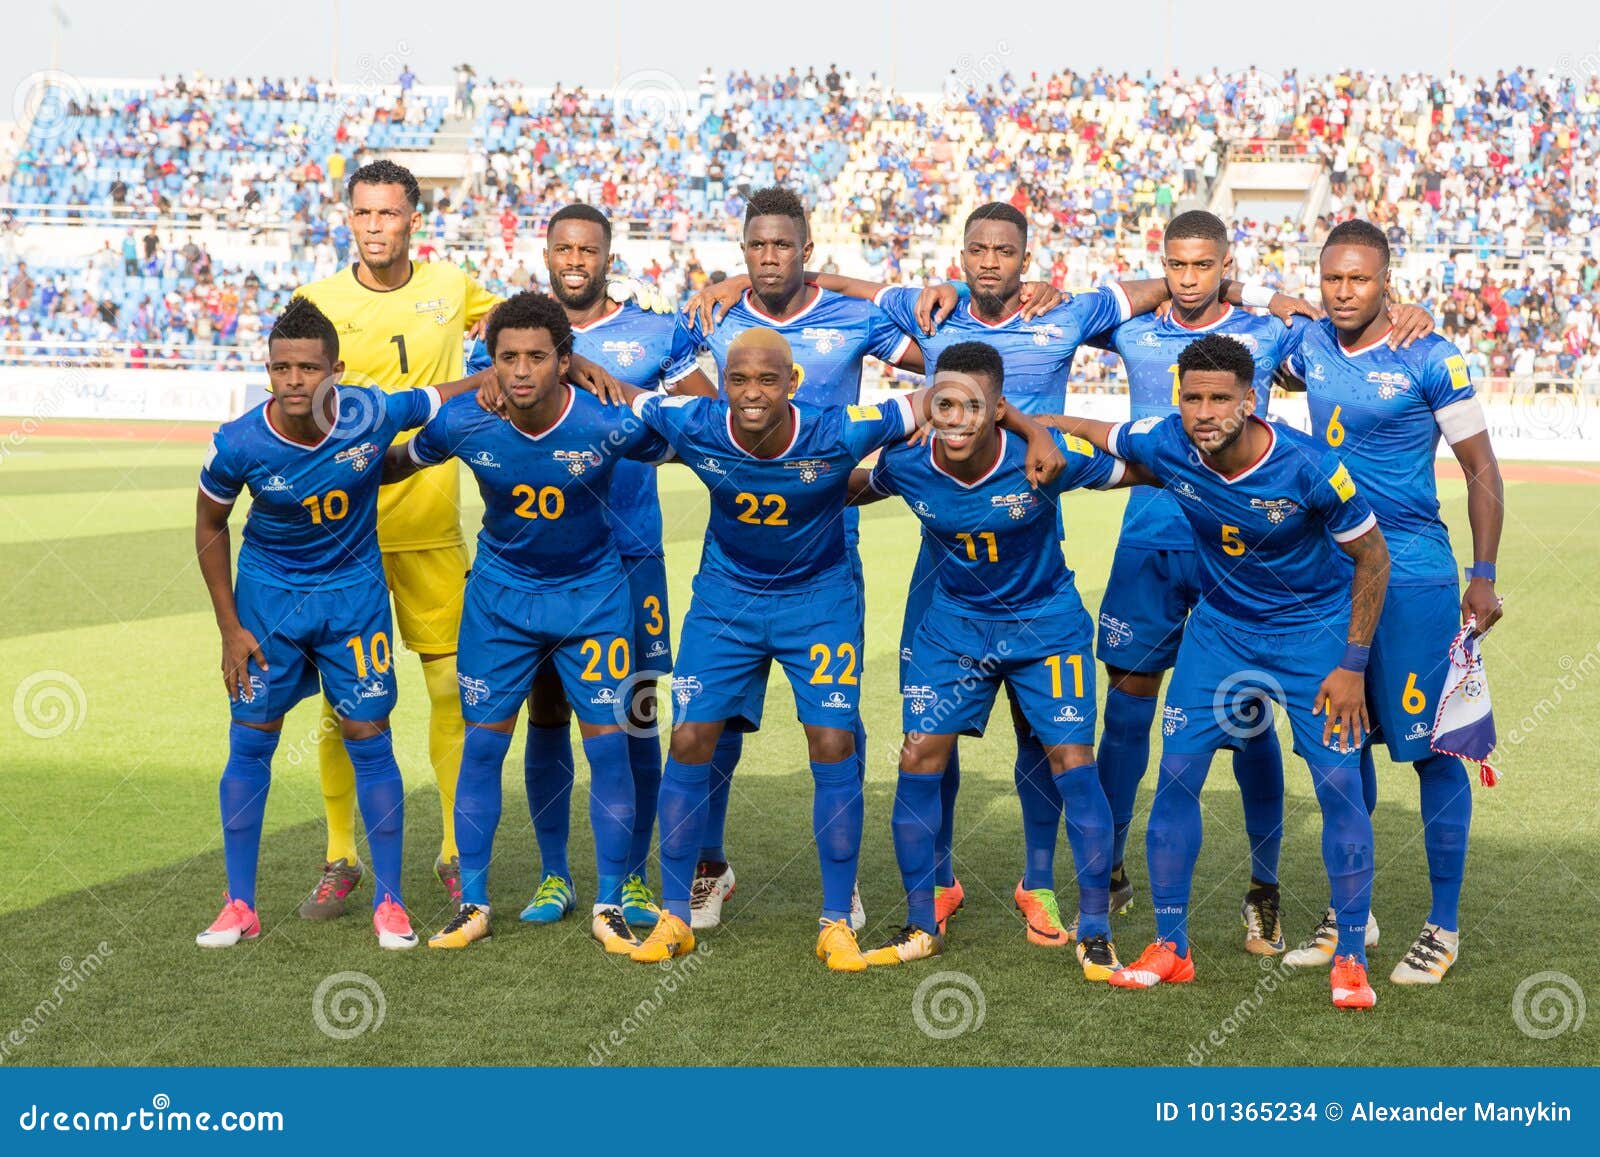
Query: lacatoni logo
point(825, 341)
point(922, 508)
point(905, 654)
point(918, 698)
point(1173, 720)
point(605, 697)
point(625, 352)
point(1276, 509)
point(1419, 730)
point(473, 690)
point(685, 688)
point(810, 468)
point(484, 459)
point(1184, 490)
point(1149, 339)
point(1016, 505)
point(711, 466)
point(1069, 714)
point(1117, 632)
point(358, 456)
point(1317, 374)
point(576, 461)
point(656, 649)
point(371, 689)
point(1390, 383)
point(276, 483)
point(837, 701)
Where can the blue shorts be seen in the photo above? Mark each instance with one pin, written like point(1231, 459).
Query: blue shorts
point(1224, 676)
point(652, 622)
point(345, 636)
point(731, 637)
point(506, 633)
point(1410, 659)
point(958, 664)
point(924, 577)
point(1148, 596)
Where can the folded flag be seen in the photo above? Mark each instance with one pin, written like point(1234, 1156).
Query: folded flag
point(1464, 724)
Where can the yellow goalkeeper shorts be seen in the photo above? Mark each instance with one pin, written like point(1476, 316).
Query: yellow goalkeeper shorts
point(428, 586)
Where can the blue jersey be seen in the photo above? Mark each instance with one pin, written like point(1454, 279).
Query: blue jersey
point(998, 550)
point(314, 509)
point(1265, 538)
point(1037, 354)
point(643, 349)
point(544, 495)
point(1149, 347)
point(828, 338)
point(1379, 408)
point(777, 524)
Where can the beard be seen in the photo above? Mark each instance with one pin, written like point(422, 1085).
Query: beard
point(581, 299)
point(988, 304)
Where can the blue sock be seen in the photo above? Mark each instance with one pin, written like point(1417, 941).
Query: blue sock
point(861, 750)
point(610, 811)
point(381, 796)
point(836, 818)
point(730, 745)
point(944, 865)
point(1369, 779)
point(1446, 820)
point(483, 758)
point(1346, 852)
point(681, 815)
point(1258, 767)
point(1089, 829)
point(243, 795)
point(547, 774)
point(1123, 756)
point(915, 823)
point(644, 757)
point(1172, 843)
point(1041, 812)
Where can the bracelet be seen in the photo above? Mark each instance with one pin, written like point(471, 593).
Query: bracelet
point(1255, 295)
point(1355, 657)
point(1483, 570)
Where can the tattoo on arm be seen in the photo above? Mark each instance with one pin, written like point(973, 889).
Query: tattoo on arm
point(1371, 555)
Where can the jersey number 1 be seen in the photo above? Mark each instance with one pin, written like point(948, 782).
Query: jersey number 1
point(399, 340)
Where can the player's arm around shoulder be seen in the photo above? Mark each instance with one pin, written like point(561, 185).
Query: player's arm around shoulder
point(434, 443)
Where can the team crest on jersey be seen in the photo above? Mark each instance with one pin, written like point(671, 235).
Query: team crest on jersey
point(1117, 633)
point(1069, 714)
point(625, 352)
point(1173, 720)
point(473, 690)
point(918, 697)
point(711, 466)
point(685, 688)
point(258, 686)
point(1044, 334)
point(577, 461)
point(810, 468)
point(1016, 505)
point(1248, 340)
point(825, 341)
point(484, 459)
point(276, 483)
point(438, 306)
point(836, 701)
point(1390, 384)
point(358, 456)
point(1276, 509)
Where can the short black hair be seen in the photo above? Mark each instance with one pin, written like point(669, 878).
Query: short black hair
point(386, 173)
point(530, 311)
point(1358, 232)
point(973, 358)
point(1218, 352)
point(776, 201)
point(997, 211)
point(1199, 225)
point(578, 211)
point(303, 321)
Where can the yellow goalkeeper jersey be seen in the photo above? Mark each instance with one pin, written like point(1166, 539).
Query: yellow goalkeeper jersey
point(401, 339)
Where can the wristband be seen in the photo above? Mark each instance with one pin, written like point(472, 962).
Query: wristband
point(1483, 570)
point(1255, 295)
point(1355, 657)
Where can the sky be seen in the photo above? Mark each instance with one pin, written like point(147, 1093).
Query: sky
point(647, 43)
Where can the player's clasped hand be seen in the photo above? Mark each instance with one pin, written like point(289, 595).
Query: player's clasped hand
point(239, 646)
point(1343, 699)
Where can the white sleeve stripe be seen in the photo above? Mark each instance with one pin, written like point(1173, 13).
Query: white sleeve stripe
point(637, 406)
point(434, 400)
point(872, 483)
point(901, 349)
point(903, 403)
point(1461, 420)
point(215, 497)
point(1113, 434)
point(1119, 470)
point(411, 451)
point(674, 378)
point(1124, 306)
point(1357, 531)
point(877, 298)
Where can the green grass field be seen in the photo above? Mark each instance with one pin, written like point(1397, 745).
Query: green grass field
point(110, 846)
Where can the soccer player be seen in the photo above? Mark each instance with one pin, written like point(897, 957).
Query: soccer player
point(1005, 609)
point(647, 350)
point(309, 602)
point(829, 334)
point(1276, 617)
point(1153, 582)
point(776, 583)
point(1383, 410)
point(547, 585)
